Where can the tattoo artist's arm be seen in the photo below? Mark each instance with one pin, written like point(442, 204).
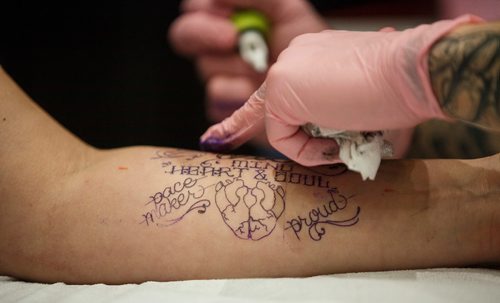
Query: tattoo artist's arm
point(71, 213)
point(465, 73)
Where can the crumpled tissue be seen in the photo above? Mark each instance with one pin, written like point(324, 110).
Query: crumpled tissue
point(360, 151)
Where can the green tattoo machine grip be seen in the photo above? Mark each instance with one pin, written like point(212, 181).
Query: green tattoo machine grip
point(253, 28)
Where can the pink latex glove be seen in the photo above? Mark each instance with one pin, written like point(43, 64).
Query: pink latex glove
point(205, 33)
point(364, 81)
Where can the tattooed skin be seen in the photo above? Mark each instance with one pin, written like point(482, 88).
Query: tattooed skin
point(250, 212)
point(324, 215)
point(249, 193)
point(437, 139)
point(174, 202)
point(465, 75)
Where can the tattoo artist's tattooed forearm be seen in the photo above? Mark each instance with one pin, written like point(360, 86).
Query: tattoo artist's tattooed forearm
point(333, 212)
point(441, 139)
point(249, 193)
point(464, 71)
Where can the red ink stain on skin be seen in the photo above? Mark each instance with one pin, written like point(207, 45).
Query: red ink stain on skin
point(389, 190)
point(122, 168)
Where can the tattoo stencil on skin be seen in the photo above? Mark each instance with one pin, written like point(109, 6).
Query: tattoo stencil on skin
point(321, 215)
point(173, 203)
point(249, 208)
point(250, 212)
point(283, 171)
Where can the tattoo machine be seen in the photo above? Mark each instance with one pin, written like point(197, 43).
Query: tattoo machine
point(253, 28)
point(360, 151)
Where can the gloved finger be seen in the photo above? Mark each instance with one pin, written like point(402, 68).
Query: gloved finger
point(291, 141)
point(229, 65)
point(307, 38)
point(245, 123)
point(225, 94)
point(202, 32)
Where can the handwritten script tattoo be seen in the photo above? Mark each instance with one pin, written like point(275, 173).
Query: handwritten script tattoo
point(281, 170)
point(249, 208)
point(250, 212)
point(247, 191)
point(465, 75)
point(173, 203)
point(323, 215)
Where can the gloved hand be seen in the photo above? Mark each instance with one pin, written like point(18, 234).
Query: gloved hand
point(358, 81)
point(205, 32)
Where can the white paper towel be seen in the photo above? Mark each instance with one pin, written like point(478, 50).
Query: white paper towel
point(360, 151)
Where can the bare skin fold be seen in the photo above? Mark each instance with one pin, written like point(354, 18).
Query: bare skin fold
point(73, 213)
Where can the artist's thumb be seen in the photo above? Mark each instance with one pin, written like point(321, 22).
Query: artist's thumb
point(298, 146)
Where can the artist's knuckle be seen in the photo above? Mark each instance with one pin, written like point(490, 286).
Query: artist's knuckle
point(275, 72)
point(278, 75)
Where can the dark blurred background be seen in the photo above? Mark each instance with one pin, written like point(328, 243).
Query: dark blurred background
point(106, 72)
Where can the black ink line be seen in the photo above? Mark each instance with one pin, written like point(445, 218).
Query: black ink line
point(314, 219)
point(201, 206)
